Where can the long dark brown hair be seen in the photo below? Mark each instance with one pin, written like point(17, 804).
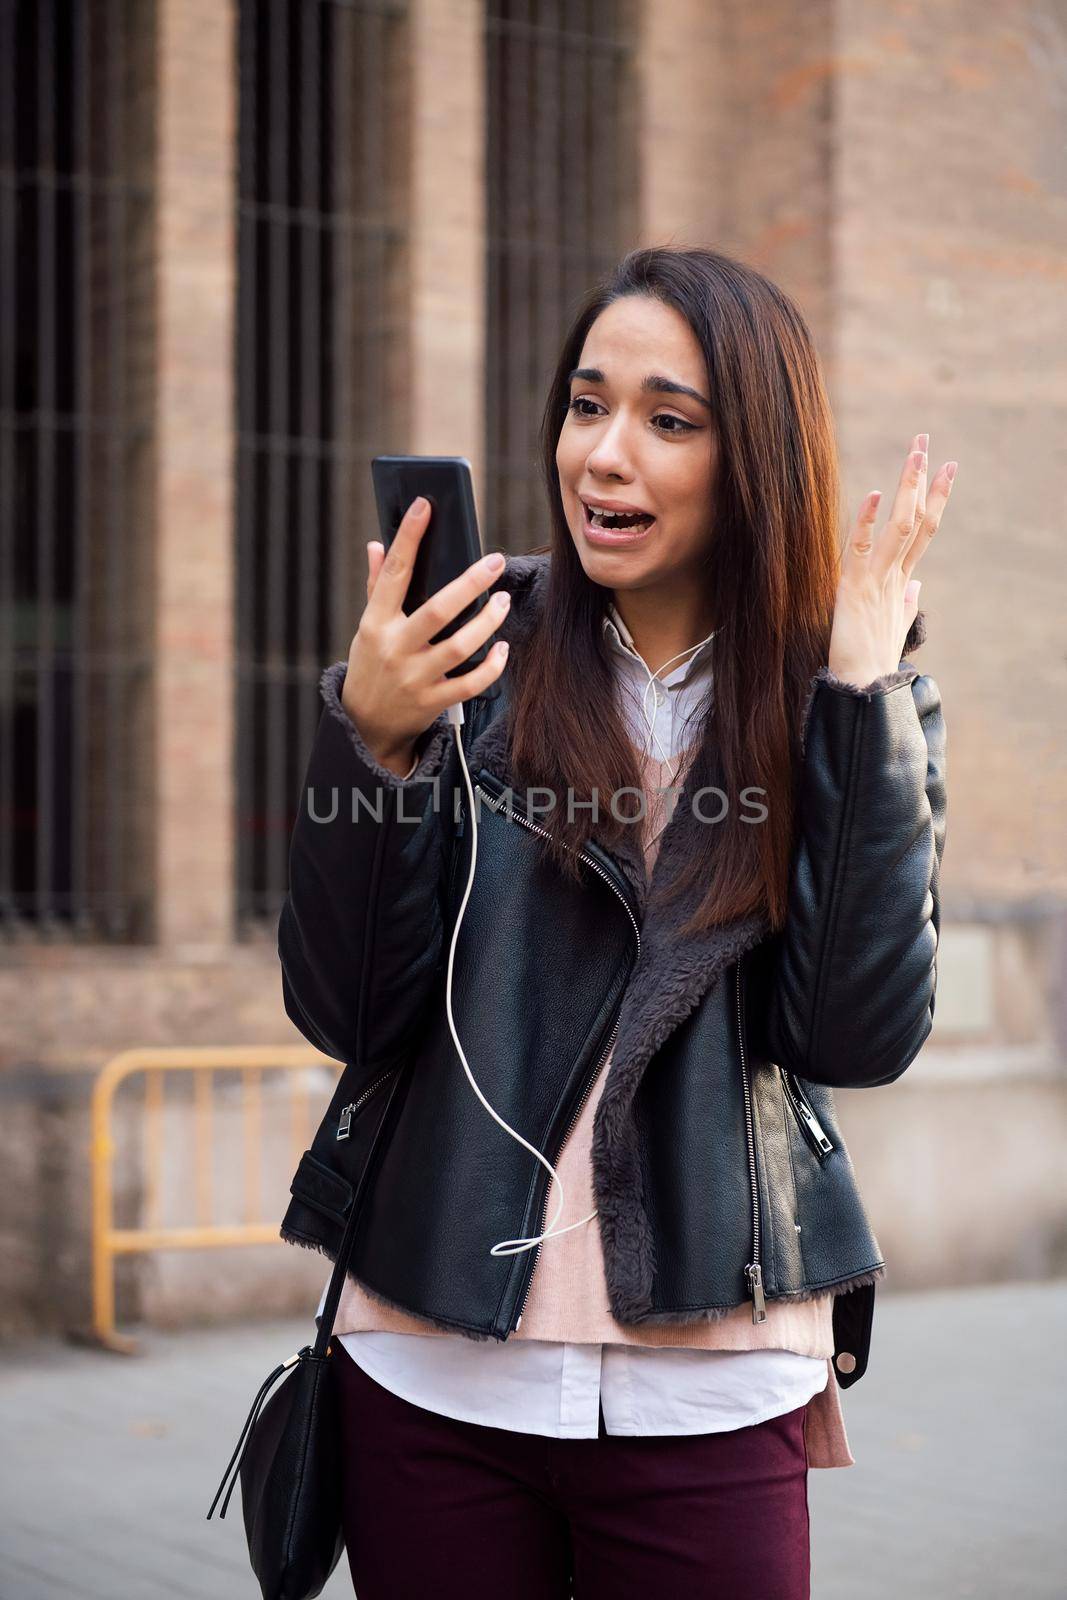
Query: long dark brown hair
point(771, 576)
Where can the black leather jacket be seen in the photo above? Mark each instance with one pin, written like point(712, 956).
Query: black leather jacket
point(719, 1169)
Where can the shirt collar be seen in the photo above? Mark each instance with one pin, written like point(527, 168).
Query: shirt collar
point(621, 641)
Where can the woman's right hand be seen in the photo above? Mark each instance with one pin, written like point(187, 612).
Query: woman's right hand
point(395, 687)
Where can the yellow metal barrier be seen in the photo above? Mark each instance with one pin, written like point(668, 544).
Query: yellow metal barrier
point(109, 1242)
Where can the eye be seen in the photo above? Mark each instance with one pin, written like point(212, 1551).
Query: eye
point(680, 425)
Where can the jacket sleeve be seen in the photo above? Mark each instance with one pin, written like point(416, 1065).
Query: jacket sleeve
point(360, 935)
point(852, 992)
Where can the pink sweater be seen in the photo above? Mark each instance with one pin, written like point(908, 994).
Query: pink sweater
point(568, 1299)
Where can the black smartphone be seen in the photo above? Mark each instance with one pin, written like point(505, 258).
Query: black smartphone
point(451, 542)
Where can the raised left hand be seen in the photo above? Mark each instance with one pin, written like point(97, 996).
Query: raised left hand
point(877, 598)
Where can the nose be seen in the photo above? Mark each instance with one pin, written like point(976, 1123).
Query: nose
point(608, 458)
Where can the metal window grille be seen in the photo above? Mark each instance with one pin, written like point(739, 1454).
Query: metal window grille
point(319, 315)
point(561, 163)
point(76, 350)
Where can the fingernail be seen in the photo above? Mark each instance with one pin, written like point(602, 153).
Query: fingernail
point(420, 505)
point(502, 647)
point(501, 601)
point(924, 441)
point(917, 459)
point(950, 470)
point(495, 562)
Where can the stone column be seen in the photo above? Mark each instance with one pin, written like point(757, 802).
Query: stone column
point(194, 575)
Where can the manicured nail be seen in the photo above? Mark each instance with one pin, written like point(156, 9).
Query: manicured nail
point(950, 470)
point(917, 459)
point(924, 441)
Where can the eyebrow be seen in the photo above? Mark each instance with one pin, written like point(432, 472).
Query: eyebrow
point(654, 383)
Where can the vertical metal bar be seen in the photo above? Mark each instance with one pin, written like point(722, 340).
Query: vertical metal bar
point(81, 355)
point(491, 126)
point(114, 617)
point(203, 1083)
point(627, 94)
point(252, 1129)
point(248, 449)
point(374, 240)
point(604, 135)
point(102, 1150)
point(119, 795)
point(576, 169)
point(548, 232)
point(153, 1147)
point(9, 312)
point(340, 439)
point(520, 158)
point(45, 597)
point(312, 461)
point(359, 211)
point(278, 510)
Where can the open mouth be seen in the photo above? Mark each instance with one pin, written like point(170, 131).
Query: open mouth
point(618, 520)
point(618, 525)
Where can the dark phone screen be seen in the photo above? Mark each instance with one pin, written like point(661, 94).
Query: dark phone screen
point(449, 545)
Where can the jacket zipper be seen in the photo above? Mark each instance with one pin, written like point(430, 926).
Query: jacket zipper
point(808, 1122)
point(754, 1270)
point(548, 1187)
point(497, 804)
point(344, 1126)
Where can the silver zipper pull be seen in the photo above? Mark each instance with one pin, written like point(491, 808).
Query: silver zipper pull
point(815, 1125)
point(754, 1274)
point(344, 1127)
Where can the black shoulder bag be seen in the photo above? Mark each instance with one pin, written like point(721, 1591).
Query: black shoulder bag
point(288, 1458)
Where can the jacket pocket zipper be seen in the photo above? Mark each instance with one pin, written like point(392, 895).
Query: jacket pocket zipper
point(344, 1125)
point(754, 1270)
point(496, 803)
point(458, 829)
point(807, 1121)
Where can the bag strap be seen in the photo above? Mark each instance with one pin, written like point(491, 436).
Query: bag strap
point(348, 1239)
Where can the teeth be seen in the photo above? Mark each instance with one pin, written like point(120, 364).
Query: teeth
point(614, 519)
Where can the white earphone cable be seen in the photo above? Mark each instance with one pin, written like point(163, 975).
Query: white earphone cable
point(509, 1247)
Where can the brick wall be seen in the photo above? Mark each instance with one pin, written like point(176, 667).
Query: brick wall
point(905, 181)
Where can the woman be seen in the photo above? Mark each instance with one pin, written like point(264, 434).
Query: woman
point(661, 997)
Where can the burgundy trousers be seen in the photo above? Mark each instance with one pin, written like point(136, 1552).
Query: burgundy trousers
point(457, 1510)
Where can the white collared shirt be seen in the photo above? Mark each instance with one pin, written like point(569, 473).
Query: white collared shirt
point(662, 710)
point(554, 1388)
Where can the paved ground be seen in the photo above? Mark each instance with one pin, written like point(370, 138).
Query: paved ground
point(108, 1463)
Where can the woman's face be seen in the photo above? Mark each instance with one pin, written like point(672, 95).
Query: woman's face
point(645, 450)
